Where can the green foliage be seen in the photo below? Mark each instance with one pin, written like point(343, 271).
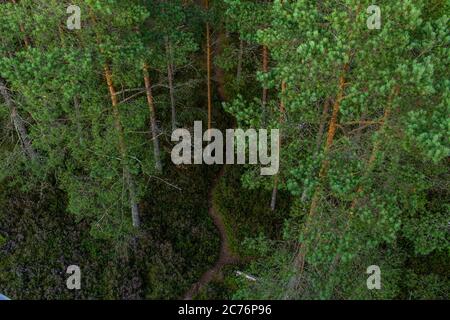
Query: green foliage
point(364, 148)
point(71, 205)
point(244, 211)
point(377, 193)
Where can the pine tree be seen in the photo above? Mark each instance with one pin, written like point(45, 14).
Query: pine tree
point(366, 85)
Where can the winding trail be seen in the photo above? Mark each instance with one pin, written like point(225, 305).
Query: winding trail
point(226, 257)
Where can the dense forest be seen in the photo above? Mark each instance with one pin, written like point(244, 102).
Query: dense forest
point(91, 92)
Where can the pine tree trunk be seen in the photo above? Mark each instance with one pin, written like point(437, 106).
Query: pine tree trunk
point(299, 261)
point(123, 150)
point(265, 70)
point(170, 75)
point(330, 137)
point(273, 202)
point(135, 217)
point(369, 168)
point(208, 67)
point(153, 125)
point(19, 124)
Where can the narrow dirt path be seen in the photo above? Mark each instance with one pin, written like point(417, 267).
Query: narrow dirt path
point(226, 257)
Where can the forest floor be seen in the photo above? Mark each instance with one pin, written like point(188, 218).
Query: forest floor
point(226, 257)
